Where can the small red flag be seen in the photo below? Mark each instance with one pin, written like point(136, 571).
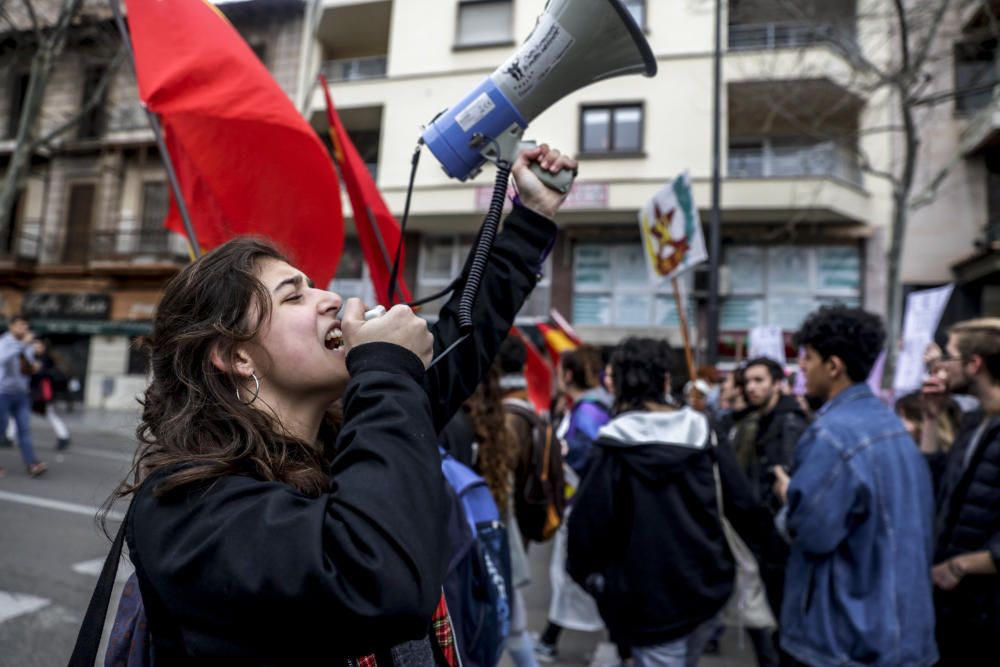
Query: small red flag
point(247, 162)
point(378, 231)
point(556, 341)
point(537, 373)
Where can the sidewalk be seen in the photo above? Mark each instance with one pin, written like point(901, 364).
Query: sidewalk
point(94, 420)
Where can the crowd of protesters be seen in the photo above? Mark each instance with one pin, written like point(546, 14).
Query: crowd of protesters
point(831, 528)
point(390, 503)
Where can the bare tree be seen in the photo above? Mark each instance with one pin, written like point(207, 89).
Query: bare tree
point(895, 52)
point(46, 36)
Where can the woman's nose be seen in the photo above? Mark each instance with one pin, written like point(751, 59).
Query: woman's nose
point(330, 302)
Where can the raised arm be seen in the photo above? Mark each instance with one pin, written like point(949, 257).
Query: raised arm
point(513, 270)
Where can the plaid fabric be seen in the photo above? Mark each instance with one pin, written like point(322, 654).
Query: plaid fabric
point(444, 634)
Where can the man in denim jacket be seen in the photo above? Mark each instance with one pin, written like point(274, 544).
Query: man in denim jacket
point(859, 513)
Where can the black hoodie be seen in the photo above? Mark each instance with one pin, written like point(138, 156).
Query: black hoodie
point(645, 537)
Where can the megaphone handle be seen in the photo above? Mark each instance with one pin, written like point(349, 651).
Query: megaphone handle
point(561, 181)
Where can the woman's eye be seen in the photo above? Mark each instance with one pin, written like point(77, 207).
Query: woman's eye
point(294, 297)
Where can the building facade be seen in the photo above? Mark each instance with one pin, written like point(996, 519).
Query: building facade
point(86, 256)
point(804, 220)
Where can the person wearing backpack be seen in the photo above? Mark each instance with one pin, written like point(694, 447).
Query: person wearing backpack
point(646, 537)
point(578, 375)
point(497, 456)
point(263, 529)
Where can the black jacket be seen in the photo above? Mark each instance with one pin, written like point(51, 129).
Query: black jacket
point(777, 434)
point(968, 520)
point(645, 536)
point(249, 572)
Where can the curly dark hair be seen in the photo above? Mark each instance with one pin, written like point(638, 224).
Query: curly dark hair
point(192, 420)
point(852, 334)
point(497, 445)
point(639, 368)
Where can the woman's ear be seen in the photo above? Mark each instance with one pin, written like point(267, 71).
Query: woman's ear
point(241, 364)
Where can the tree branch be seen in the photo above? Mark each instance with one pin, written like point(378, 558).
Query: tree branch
point(904, 34)
point(95, 99)
point(35, 25)
point(936, 21)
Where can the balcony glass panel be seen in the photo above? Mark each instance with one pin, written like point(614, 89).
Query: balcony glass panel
point(777, 35)
point(355, 69)
point(790, 159)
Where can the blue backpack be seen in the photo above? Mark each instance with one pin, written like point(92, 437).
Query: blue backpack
point(477, 587)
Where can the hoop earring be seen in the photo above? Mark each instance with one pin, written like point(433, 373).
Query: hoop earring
point(256, 391)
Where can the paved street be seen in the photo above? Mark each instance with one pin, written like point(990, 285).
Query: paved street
point(53, 549)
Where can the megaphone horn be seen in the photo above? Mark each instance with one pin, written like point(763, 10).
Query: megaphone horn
point(574, 43)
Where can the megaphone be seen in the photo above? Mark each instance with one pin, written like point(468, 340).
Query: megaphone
point(574, 43)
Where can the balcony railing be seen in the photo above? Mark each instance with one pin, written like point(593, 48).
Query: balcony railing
point(25, 246)
point(777, 35)
point(355, 69)
point(127, 117)
point(776, 161)
point(136, 246)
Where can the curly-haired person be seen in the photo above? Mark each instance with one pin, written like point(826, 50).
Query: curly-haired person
point(858, 511)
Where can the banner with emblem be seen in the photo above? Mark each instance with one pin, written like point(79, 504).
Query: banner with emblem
point(671, 230)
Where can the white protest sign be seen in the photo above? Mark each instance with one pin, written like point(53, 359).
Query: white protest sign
point(923, 314)
point(671, 230)
point(768, 341)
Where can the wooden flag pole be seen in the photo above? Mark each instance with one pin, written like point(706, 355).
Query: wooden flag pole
point(688, 354)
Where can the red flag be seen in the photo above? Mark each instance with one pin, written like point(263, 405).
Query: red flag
point(378, 231)
point(537, 373)
point(247, 162)
point(556, 342)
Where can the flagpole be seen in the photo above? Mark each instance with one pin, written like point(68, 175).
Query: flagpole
point(688, 355)
point(154, 123)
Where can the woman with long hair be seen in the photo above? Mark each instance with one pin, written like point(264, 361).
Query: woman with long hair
point(498, 455)
point(264, 528)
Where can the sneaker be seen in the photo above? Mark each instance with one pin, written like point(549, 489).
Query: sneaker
point(546, 652)
point(62, 443)
point(37, 468)
point(5, 442)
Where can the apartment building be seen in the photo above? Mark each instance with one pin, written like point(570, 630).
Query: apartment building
point(803, 220)
point(801, 223)
point(87, 256)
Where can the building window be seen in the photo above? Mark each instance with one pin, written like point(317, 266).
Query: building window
point(441, 260)
point(92, 122)
point(352, 277)
point(138, 359)
point(18, 91)
point(612, 287)
point(975, 75)
point(638, 10)
point(259, 49)
point(781, 285)
point(484, 22)
point(611, 129)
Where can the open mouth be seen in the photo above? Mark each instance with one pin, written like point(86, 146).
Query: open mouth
point(334, 339)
